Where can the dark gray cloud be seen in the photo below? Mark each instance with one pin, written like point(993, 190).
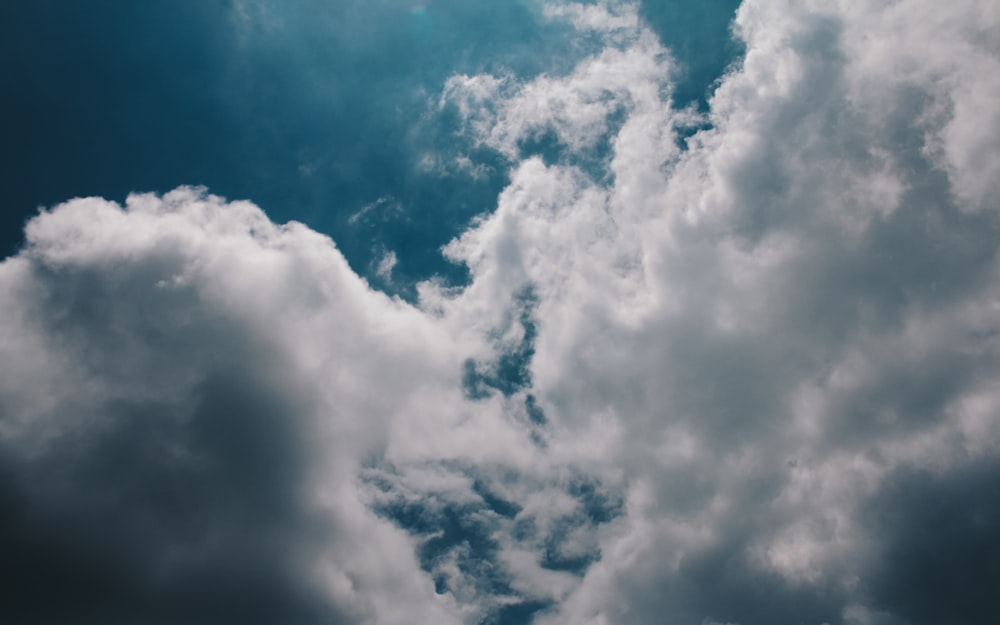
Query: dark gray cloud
point(176, 494)
point(163, 515)
point(935, 548)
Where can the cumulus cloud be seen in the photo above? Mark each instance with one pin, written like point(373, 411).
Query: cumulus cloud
point(764, 318)
point(179, 431)
point(734, 367)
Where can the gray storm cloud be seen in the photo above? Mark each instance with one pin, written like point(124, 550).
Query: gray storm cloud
point(734, 367)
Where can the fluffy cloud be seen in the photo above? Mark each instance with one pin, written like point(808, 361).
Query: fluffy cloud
point(187, 389)
point(768, 320)
point(731, 368)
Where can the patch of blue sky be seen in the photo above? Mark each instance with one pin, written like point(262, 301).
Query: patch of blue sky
point(465, 531)
point(459, 533)
point(699, 37)
point(314, 110)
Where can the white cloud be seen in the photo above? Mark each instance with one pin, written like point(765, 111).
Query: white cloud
point(769, 293)
point(738, 342)
point(148, 312)
point(386, 265)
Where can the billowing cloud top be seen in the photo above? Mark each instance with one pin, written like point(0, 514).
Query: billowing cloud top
point(728, 367)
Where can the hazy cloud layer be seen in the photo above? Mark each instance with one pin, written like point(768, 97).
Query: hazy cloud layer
point(728, 367)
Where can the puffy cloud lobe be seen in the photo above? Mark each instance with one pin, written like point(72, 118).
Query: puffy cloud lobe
point(750, 369)
point(768, 324)
point(179, 433)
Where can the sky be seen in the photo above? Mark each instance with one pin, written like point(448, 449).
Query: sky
point(479, 313)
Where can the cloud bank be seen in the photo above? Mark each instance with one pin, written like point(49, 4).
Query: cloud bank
point(727, 367)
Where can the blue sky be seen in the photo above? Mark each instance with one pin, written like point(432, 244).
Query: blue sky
point(312, 109)
point(474, 313)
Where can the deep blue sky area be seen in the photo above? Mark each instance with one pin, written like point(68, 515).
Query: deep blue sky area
point(312, 109)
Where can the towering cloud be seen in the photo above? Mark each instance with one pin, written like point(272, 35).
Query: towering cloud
point(728, 367)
